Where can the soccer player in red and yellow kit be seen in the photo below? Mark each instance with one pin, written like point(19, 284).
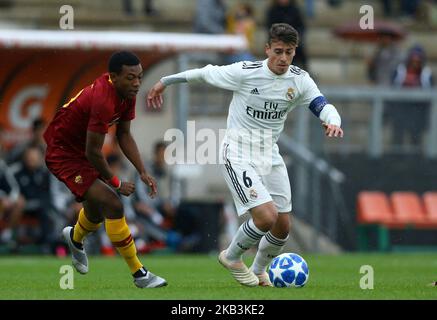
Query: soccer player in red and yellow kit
point(74, 155)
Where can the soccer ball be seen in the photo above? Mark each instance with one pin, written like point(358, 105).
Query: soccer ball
point(289, 270)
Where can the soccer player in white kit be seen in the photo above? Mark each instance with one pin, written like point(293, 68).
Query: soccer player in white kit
point(264, 92)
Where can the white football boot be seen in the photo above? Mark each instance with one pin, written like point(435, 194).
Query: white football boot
point(78, 256)
point(146, 279)
point(239, 271)
point(264, 279)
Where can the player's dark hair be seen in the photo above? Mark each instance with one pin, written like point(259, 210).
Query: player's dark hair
point(120, 59)
point(283, 32)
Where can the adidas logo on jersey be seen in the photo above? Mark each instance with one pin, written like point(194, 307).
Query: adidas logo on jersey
point(254, 91)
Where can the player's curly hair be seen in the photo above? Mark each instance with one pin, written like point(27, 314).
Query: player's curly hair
point(121, 58)
point(283, 32)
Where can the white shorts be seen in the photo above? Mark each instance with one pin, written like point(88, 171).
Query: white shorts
point(250, 189)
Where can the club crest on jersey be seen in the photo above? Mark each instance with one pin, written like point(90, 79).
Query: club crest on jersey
point(253, 194)
point(290, 94)
point(78, 180)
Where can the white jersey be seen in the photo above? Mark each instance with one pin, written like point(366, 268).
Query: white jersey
point(261, 99)
point(260, 104)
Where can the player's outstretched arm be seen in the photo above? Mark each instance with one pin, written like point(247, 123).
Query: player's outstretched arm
point(154, 97)
point(226, 77)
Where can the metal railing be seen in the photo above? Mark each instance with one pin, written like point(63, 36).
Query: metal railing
point(377, 97)
point(319, 193)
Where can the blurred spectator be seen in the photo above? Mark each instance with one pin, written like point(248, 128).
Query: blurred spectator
point(411, 118)
point(148, 8)
point(65, 204)
point(384, 61)
point(36, 140)
point(309, 8)
point(163, 213)
point(242, 21)
point(11, 205)
point(287, 11)
point(160, 210)
point(67, 210)
point(210, 17)
point(34, 182)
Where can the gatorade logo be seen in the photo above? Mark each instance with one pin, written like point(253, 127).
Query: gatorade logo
point(27, 105)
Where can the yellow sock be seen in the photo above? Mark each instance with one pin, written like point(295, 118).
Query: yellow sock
point(119, 234)
point(83, 227)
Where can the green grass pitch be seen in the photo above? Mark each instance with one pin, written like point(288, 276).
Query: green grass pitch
point(199, 277)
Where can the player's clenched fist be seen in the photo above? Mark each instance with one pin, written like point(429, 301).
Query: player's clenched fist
point(126, 188)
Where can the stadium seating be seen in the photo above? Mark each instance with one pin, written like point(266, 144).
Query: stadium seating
point(430, 202)
point(380, 213)
point(373, 212)
point(373, 207)
point(407, 208)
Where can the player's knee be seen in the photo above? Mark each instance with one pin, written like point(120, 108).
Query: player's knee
point(272, 217)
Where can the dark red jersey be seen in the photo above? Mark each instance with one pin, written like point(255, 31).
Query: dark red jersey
point(94, 108)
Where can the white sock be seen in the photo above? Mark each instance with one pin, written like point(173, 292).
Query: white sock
point(269, 247)
point(246, 237)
